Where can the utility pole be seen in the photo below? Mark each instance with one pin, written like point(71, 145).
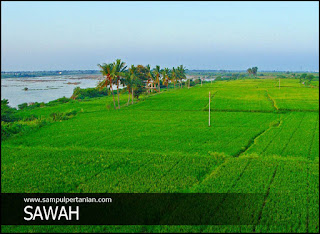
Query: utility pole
point(209, 109)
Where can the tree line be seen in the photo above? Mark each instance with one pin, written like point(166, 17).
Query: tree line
point(138, 79)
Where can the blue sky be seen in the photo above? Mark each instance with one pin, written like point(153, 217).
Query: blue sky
point(200, 35)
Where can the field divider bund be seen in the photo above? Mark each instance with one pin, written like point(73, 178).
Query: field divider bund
point(272, 100)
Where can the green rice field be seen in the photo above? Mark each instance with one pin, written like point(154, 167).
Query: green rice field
point(262, 139)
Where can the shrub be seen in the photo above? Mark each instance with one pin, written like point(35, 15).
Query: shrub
point(12, 128)
point(8, 129)
point(58, 101)
point(63, 100)
point(29, 118)
point(138, 91)
point(23, 106)
point(79, 93)
point(197, 81)
point(34, 105)
point(57, 116)
point(7, 112)
point(192, 83)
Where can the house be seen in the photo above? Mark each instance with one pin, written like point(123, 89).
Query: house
point(150, 84)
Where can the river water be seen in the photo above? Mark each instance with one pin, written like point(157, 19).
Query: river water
point(44, 89)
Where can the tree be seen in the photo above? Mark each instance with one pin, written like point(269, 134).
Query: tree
point(173, 77)
point(128, 81)
point(218, 78)
point(302, 77)
point(120, 68)
point(181, 74)
point(156, 72)
point(7, 112)
point(134, 78)
point(142, 74)
point(254, 70)
point(151, 76)
point(108, 71)
point(234, 76)
point(165, 77)
point(309, 78)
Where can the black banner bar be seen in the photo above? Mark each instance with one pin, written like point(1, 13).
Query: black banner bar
point(130, 208)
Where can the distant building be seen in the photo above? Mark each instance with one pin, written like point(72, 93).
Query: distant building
point(150, 84)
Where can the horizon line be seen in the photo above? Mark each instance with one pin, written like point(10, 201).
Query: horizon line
point(186, 70)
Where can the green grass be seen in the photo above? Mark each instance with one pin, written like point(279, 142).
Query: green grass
point(261, 140)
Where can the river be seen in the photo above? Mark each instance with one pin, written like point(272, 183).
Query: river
point(44, 89)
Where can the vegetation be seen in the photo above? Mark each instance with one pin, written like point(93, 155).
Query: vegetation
point(262, 139)
point(79, 93)
point(252, 71)
point(138, 79)
point(306, 79)
point(13, 123)
point(7, 112)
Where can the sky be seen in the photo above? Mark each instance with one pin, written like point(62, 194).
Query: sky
point(200, 35)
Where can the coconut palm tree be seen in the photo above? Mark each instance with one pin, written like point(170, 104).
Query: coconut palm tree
point(148, 74)
point(165, 77)
point(174, 77)
point(108, 71)
point(157, 72)
point(151, 76)
point(181, 74)
point(133, 77)
point(154, 80)
point(128, 83)
point(120, 68)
